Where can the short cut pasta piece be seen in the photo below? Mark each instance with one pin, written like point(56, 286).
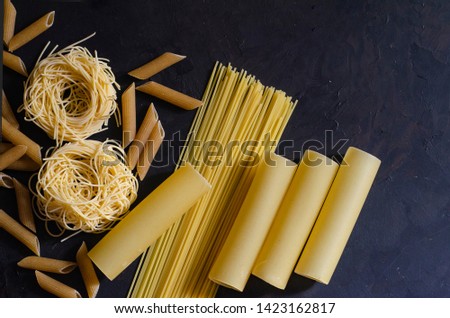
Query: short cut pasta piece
point(170, 95)
point(6, 181)
point(23, 164)
point(15, 63)
point(156, 65)
point(12, 155)
point(9, 21)
point(87, 271)
point(150, 149)
point(19, 232)
point(49, 265)
point(55, 287)
point(7, 111)
point(128, 115)
point(31, 31)
point(24, 205)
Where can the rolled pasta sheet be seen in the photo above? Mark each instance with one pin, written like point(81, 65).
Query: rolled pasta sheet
point(24, 205)
point(234, 264)
point(55, 287)
point(148, 221)
point(6, 181)
point(87, 270)
point(295, 219)
point(128, 115)
point(15, 63)
point(170, 95)
point(46, 264)
point(19, 232)
point(31, 31)
point(338, 215)
point(9, 21)
point(12, 155)
point(7, 111)
point(156, 65)
point(150, 150)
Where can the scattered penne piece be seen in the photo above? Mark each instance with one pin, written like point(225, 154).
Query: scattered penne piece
point(128, 115)
point(170, 95)
point(5, 146)
point(87, 271)
point(55, 287)
point(150, 149)
point(31, 31)
point(45, 264)
point(15, 63)
point(9, 21)
point(156, 65)
point(19, 232)
point(24, 205)
point(6, 181)
point(7, 111)
point(24, 164)
point(12, 155)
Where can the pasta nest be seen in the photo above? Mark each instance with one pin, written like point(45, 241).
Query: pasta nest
point(85, 185)
point(70, 94)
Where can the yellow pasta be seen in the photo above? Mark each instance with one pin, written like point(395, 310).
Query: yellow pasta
point(55, 287)
point(5, 146)
point(12, 155)
point(7, 111)
point(169, 95)
point(128, 115)
point(31, 31)
point(87, 270)
point(24, 205)
point(156, 65)
point(19, 232)
point(150, 149)
point(15, 63)
point(6, 181)
point(9, 21)
point(49, 265)
point(24, 164)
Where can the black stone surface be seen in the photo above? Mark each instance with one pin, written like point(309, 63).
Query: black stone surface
point(375, 73)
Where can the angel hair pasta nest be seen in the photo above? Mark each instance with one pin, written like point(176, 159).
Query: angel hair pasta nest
point(70, 94)
point(85, 186)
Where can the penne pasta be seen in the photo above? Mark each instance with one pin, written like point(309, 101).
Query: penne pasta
point(170, 95)
point(18, 138)
point(24, 164)
point(55, 287)
point(7, 111)
point(128, 115)
point(31, 31)
point(15, 63)
point(151, 147)
point(6, 181)
point(24, 205)
point(156, 65)
point(9, 21)
point(12, 155)
point(45, 264)
point(87, 271)
point(19, 232)
point(5, 146)
point(136, 147)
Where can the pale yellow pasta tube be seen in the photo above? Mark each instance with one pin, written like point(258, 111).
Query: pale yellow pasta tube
point(87, 270)
point(19, 232)
point(295, 219)
point(150, 149)
point(49, 265)
point(12, 155)
point(31, 31)
point(5, 146)
point(156, 65)
point(55, 287)
point(6, 181)
point(24, 164)
point(170, 95)
point(15, 63)
point(338, 215)
point(233, 265)
point(128, 115)
point(9, 21)
point(148, 221)
point(7, 111)
point(24, 205)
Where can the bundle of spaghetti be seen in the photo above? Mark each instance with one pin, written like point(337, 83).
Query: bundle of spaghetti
point(85, 185)
point(238, 113)
point(70, 94)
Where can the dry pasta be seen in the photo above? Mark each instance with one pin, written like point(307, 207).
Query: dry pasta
point(19, 232)
point(9, 21)
point(15, 63)
point(24, 205)
point(7, 111)
point(31, 31)
point(156, 65)
point(12, 155)
point(128, 115)
point(87, 270)
point(150, 149)
point(6, 181)
point(85, 186)
point(46, 264)
point(55, 287)
point(24, 164)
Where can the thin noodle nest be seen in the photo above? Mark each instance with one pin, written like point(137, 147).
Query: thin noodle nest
point(85, 186)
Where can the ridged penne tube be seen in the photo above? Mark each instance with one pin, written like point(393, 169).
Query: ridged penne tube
point(12, 155)
point(50, 265)
point(5, 146)
point(87, 270)
point(156, 65)
point(24, 205)
point(6, 181)
point(19, 232)
point(55, 287)
point(150, 149)
point(24, 164)
point(15, 63)
point(7, 111)
point(136, 147)
point(31, 31)
point(9, 21)
point(128, 115)
point(18, 138)
point(170, 95)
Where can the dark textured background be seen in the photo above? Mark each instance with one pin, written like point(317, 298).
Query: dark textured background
point(374, 72)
